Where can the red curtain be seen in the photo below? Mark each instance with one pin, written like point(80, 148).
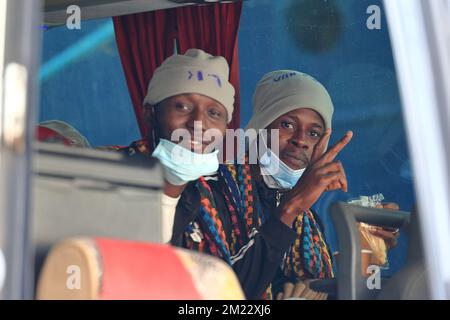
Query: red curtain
point(214, 29)
point(145, 40)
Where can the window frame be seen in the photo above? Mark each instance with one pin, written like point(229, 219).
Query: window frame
point(421, 52)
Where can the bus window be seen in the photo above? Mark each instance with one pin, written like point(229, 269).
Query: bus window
point(82, 83)
point(346, 46)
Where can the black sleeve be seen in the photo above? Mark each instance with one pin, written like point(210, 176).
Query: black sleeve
point(187, 210)
point(257, 262)
point(278, 282)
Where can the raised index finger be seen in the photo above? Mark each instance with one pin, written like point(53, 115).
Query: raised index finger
point(334, 150)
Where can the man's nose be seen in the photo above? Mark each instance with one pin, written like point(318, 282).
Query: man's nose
point(299, 140)
point(197, 125)
point(196, 117)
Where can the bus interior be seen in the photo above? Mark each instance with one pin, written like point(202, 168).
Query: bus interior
point(86, 73)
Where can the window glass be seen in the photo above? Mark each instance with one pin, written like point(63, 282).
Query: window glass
point(336, 41)
point(340, 44)
point(82, 83)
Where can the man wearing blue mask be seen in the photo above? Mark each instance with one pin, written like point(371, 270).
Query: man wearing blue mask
point(185, 92)
point(300, 109)
point(291, 177)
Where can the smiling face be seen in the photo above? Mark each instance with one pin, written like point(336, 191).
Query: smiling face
point(181, 111)
point(299, 132)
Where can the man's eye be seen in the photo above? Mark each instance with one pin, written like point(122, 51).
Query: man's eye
point(215, 113)
point(287, 125)
point(183, 107)
point(315, 134)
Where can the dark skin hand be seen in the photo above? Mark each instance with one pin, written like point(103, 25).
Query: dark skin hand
point(180, 112)
point(322, 174)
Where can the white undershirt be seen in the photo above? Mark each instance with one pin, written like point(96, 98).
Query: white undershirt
point(168, 206)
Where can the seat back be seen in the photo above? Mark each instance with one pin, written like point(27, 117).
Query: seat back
point(107, 269)
point(351, 285)
point(85, 192)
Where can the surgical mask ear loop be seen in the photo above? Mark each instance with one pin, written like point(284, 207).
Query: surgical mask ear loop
point(262, 142)
point(156, 137)
point(265, 158)
point(153, 128)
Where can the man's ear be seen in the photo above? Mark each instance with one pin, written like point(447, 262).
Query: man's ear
point(150, 117)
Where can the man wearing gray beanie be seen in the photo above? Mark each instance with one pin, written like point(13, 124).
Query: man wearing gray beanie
point(186, 91)
point(290, 180)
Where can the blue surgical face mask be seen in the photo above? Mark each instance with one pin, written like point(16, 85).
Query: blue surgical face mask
point(182, 165)
point(276, 173)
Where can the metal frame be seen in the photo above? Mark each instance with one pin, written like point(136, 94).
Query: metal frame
point(2, 213)
point(351, 284)
point(97, 9)
point(421, 46)
point(18, 106)
point(55, 14)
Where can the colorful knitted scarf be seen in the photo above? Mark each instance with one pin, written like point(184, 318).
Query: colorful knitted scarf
point(309, 256)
